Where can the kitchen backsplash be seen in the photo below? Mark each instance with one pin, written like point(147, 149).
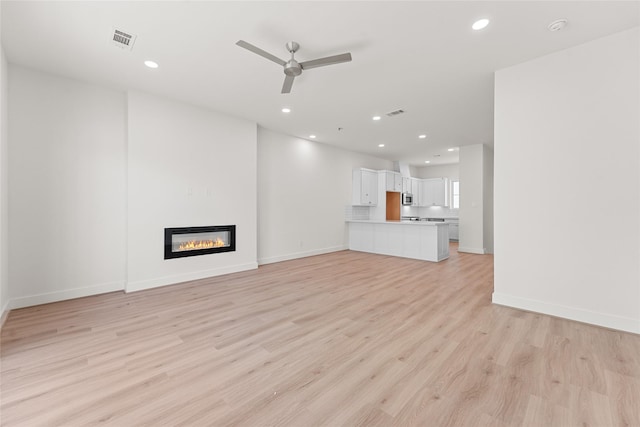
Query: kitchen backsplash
point(429, 212)
point(364, 212)
point(356, 213)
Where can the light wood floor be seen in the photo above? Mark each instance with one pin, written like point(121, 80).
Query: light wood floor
point(345, 338)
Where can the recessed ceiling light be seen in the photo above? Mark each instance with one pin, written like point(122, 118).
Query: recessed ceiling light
point(451, 149)
point(557, 25)
point(286, 110)
point(151, 64)
point(380, 145)
point(312, 136)
point(427, 161)
point(423, 136)
point(480, 24)
point(376, 118)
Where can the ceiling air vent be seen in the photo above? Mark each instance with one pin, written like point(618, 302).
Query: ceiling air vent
point(123, 39)
point(395, 113)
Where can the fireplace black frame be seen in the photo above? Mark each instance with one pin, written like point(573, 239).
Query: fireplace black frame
point(170, 232)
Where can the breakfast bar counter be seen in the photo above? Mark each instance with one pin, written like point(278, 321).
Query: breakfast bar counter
point(428, 241)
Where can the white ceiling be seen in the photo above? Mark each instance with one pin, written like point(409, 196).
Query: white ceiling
point(422, 57)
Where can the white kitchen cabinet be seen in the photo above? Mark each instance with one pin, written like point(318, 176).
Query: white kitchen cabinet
point(434, 192)
point(397, 182)
point(416, 190)
point(406, 185)
point(428, 241)
point(454, 232)
point(425, 197)
point(365, 187)
point(454, 228)
point(394, 181)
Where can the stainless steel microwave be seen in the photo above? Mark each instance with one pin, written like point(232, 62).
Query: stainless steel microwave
point(407, 198)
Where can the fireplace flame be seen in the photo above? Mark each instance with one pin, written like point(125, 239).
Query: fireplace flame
point(201, 244)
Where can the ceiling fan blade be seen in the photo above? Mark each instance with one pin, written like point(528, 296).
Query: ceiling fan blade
point(329, 60)
point(260, 52)
point(288, 82)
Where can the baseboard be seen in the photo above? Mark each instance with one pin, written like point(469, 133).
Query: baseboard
point(296, 255)
point(572, 313)
point(46, 298)
point(4, 313)
point(479, 251)
point(141, 285)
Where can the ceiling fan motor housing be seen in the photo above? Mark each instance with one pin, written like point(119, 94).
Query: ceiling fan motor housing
point(292, 68)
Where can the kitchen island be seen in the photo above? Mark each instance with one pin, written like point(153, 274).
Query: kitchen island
point(428, 241)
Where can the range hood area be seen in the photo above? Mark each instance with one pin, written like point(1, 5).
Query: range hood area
point(403, 168)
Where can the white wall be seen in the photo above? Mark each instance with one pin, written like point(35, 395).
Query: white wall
point(303, 189)
point(487, 198)
point(187, 166)
point(4, 187)
point(471, 210)
point(438, 171)
point(66, 188)
point(566, 143)
point(75, 182)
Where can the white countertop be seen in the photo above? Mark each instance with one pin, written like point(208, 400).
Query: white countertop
point(447, 218)
point(423, 223)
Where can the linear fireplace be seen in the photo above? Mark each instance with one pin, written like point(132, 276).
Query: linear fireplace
point(192, 241)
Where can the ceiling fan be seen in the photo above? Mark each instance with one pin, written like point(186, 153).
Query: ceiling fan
point(293, 68)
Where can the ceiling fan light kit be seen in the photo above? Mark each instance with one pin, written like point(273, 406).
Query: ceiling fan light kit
point(293, 68)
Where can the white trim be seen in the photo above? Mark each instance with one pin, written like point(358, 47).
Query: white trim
point(479, 251)
point(6, 308)
point(4, 313)
point(187, 277)
point(38, 299)
point(601, 319)
point(296, 255)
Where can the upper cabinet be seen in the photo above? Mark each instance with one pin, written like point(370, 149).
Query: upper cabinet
point(426, 192)
point(365, 187)
point(394, 181)
point(434, 192)
point(406, 185)
point(416, 190)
